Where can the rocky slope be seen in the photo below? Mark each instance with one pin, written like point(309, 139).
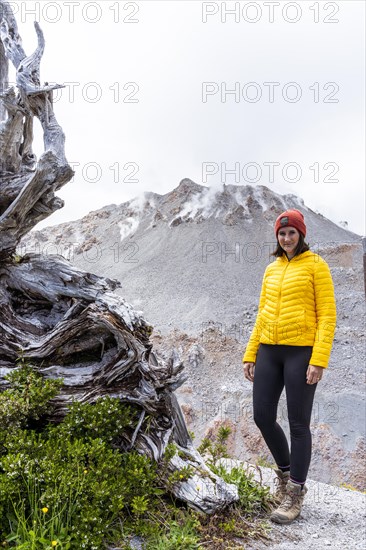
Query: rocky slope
point(192, 261)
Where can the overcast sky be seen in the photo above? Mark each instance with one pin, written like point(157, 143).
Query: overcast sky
point(261, 93)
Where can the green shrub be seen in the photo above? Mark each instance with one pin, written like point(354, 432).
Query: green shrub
point(70, 486)
point(252, 495)
point(216, 448)
point(66, 484)
point(27, 399)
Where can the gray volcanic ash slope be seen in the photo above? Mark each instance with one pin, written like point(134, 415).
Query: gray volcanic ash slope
point(192, 256)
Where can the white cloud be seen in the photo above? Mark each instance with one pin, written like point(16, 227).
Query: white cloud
point(170, 132)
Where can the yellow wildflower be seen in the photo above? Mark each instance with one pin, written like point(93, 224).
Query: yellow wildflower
point(54, 543)
point(85, 471)
point(45, 510)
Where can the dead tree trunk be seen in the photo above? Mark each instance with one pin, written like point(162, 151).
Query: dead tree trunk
point(69, 323)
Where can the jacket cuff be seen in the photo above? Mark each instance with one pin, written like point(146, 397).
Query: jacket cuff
point(318, 363)
point(248, 358)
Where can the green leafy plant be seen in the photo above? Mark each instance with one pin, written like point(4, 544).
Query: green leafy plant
point(182, 535)
point(71, 470)
point(216, 448)
point(27, 399)
point(252, 495)
point(180, 475)
point(170, 450)
point(70, 485)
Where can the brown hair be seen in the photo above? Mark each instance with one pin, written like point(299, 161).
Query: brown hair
point(302, 246)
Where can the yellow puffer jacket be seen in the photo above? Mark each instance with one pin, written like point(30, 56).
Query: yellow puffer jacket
point(296, 307)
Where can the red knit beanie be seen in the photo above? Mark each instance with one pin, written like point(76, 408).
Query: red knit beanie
point(293, 218)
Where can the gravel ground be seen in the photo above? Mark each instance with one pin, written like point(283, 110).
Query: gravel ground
point(331, 517)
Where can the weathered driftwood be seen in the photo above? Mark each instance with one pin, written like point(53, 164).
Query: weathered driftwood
point(69, 323)
point(27, 188)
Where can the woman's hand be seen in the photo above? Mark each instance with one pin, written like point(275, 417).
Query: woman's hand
point(314, 374)
point(249, 371)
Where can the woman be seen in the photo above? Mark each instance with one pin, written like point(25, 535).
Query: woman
point(290, 347)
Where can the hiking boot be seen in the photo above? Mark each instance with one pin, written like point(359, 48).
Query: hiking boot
point(290, 507)
point(280, 485)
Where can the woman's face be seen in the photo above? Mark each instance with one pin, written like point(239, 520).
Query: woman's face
point(288, 237)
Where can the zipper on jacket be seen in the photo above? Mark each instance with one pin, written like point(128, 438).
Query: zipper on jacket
point(279, 300)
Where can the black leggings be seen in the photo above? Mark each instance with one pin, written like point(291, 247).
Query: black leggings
point(278, 366)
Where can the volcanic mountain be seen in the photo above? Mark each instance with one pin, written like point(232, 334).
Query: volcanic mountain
point(193, 256)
